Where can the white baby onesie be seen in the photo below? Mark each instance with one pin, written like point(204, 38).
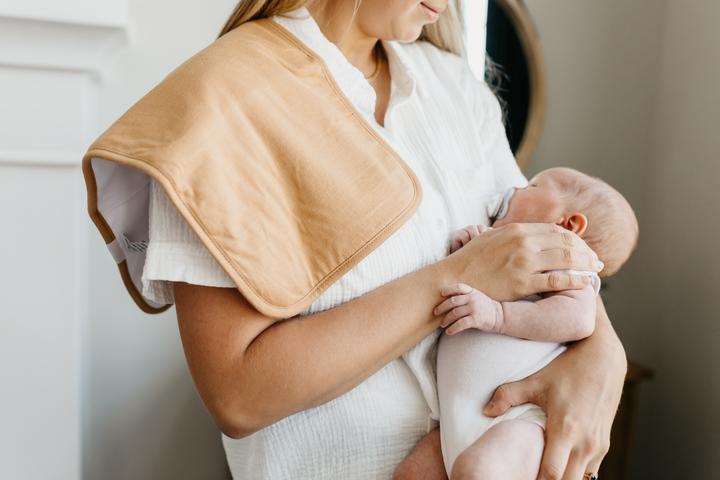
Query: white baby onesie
point(471, 365)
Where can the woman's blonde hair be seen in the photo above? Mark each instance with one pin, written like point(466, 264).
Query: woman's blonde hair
point(446, 33)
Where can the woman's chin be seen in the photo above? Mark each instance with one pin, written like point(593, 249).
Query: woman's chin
point(411, 33)
point(410, 27)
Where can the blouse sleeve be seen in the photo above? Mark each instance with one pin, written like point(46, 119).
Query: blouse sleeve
point(488, 114)
point(175, 253)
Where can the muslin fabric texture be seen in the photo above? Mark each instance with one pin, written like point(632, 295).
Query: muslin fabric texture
point(447, 126)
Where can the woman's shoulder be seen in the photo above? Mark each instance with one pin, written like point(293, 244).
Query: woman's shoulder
point(452, 69)
point(436, 66)
point(174, 252)
point(427, 56)
point(437, 57)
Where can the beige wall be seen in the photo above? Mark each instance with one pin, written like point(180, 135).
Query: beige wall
point(634, 96)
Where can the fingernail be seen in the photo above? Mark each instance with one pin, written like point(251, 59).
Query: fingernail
point(488, 408)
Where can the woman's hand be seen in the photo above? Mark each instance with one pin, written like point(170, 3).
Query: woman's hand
point(516, 260)
point(579, 391)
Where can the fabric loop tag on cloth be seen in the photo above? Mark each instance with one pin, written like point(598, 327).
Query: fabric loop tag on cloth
point(137, 246)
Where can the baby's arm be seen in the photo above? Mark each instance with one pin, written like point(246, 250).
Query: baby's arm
point(557, 317)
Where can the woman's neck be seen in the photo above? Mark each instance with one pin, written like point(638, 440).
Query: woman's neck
point(334, 23)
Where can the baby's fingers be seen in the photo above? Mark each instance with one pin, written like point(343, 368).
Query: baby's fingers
point(463, 324)
point(455, 289)
point(483, 228)
point(455, 313)
point(460, 238)
point(456, 244)
point(451, 303)
point(473, 231)
point(459, 295)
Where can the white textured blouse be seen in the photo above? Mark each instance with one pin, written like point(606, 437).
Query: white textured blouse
point(447, 127)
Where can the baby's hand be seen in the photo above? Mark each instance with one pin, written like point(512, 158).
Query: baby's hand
point(468, 307)
point(464, 235)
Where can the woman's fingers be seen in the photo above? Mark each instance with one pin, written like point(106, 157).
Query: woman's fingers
point(562, 461)
point(577, 466)
point(555, 458)
point(505, 262)
point(555, 236)
point(598, 449)
point(546, 236)
point(511, 394)
point(543, 229)
point(594, 465)
point(568, 259)
point(557, 281)
point(559, 237)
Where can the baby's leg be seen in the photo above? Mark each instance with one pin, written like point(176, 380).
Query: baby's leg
point(470, 366)
point(424, 462)
point(510, 450)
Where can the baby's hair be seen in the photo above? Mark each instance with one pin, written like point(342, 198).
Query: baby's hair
point(612, 230)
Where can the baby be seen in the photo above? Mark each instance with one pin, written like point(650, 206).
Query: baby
point(506, 341)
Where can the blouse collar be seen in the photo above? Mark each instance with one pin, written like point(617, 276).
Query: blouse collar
point(350, 79)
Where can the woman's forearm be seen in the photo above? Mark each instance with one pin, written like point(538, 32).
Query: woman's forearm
point(252, 370)
point(605, 340)
point(305, 361)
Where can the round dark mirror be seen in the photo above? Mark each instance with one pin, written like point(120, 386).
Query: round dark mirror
point(518, 77)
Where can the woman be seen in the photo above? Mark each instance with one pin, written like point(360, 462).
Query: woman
point(340, 391)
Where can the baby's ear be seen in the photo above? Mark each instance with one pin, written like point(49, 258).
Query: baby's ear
point(575, 222)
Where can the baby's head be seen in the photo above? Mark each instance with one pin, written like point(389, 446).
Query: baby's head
point(586, 205)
